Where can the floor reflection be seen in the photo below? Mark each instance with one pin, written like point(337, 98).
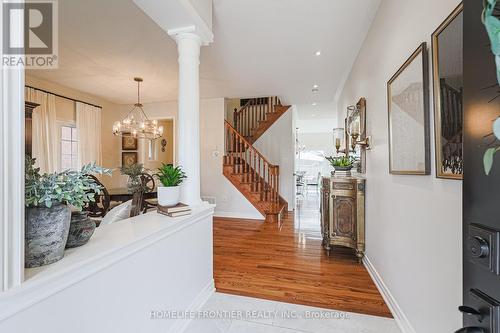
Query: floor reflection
point(307, 215)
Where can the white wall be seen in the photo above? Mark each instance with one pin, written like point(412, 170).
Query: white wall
point(414, 228)
point(230, 202)
point(277, 145)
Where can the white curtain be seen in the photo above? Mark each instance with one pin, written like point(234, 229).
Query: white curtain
point(88, 126)
point(44, 145)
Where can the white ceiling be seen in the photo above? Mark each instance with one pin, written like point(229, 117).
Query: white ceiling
point(261, 47)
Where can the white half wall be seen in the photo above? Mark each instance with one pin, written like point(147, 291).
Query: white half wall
point(277, 145)
point(414, 223)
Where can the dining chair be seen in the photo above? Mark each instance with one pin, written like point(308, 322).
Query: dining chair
point(149, 186)
point(97, 209)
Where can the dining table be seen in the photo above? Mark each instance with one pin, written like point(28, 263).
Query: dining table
point(122, 194)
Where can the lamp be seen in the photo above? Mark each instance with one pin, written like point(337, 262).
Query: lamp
point(354, 128)
point(136, 124)
point(338, 139)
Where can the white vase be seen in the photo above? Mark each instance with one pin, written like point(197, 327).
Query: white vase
point(168, 196)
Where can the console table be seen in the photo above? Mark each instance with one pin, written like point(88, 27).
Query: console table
point(343, 213)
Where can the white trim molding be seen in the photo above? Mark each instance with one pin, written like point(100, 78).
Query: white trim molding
point(399, 316)
point(11, 170)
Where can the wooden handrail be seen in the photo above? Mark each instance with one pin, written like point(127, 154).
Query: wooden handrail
point(255, 111)
point(233, 130)
point(255, 169)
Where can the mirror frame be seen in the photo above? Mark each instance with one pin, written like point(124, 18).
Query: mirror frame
point(437, 95)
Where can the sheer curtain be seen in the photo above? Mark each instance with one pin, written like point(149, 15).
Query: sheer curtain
point(44, 129)
point(88, 126)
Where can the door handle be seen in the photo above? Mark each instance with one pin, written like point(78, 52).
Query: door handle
point(471, 330)
point(471, 312)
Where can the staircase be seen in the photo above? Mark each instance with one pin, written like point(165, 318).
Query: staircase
point(245, 167)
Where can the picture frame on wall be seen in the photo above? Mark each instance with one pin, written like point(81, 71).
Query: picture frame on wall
point(129, 143)
point(447, 72)
point(129, 158)
point(408, 116)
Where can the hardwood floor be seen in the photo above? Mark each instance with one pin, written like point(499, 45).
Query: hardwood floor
point(256, 259)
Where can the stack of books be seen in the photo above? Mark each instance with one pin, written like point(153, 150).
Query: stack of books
point(175, 211)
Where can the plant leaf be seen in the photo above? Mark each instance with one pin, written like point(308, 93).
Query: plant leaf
point(488, 160)
point(496, 128)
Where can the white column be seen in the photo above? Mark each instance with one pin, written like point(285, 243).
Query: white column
point(188, 123)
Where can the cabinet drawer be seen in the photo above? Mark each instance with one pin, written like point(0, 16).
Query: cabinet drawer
point(343, 186)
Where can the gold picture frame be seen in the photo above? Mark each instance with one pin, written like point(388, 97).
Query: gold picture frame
point(129, 158)
point(129, 143)
point(448, 96)
point(408, 116)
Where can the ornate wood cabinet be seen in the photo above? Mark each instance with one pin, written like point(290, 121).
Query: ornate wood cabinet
point(343, 213)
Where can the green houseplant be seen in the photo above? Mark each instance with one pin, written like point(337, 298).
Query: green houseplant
point(48, 198)
point(134, 173)
point(341, 163)
point(171, 178)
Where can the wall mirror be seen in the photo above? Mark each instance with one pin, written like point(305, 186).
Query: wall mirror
point(447, 51)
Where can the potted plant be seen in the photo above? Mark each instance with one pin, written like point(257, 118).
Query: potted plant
point(134, 173)
point(48, 198)
point(171, 178)
point(342, 163)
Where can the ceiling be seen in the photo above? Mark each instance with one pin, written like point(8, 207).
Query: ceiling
point(260, 47)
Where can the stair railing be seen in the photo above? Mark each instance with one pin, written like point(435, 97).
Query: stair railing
point(255, 111)
point(255, 169)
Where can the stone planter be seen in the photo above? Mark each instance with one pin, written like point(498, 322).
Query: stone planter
point(342, 171)
point(168, 196)
point(46, 234)
point(80, 229)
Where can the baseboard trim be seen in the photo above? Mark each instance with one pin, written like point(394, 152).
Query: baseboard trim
point(196, 305)
point(399, 316)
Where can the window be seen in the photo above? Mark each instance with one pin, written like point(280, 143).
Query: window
point(69, 147)
point(152, 150)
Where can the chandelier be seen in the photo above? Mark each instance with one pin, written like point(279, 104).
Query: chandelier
point(136, 124)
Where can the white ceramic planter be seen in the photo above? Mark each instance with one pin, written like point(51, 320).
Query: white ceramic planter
point(168, 196)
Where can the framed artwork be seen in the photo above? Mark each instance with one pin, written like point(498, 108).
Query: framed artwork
point(408, 110)
point(129, 143)
point(447, 59)
point(129, 158)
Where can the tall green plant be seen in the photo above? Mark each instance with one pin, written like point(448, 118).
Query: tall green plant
point(170, 176)
point(75, 188)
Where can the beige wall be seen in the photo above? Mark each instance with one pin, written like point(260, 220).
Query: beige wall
point(167, 156)
point(66, 112)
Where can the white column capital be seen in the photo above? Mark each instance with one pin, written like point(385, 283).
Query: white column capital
point(190, 33)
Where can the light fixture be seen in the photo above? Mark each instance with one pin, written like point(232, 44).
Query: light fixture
point(318, 53)
point(315, 86)
point(354, 128)
point(338, 139)
point(136, 124)
point(314, 104)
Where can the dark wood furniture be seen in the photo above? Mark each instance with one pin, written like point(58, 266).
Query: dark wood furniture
point(343, 213)
point(100, 207)
point(28, 127)
point(150, 186)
